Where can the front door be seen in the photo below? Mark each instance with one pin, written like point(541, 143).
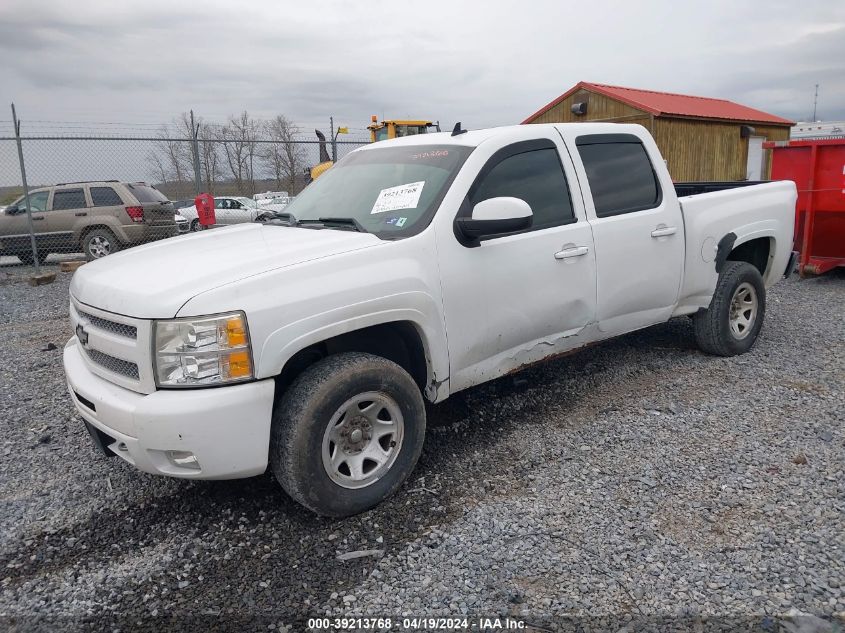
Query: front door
point(14, 226)
point(638, 233)
point(520, 297)
point(754, 168)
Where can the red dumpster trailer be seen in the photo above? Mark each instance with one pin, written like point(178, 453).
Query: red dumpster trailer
point(817, 166)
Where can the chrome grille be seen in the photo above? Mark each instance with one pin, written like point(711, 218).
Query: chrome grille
point(116, 365)
point(114, 346)
point(121, 329)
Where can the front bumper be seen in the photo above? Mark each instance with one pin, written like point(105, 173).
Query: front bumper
point(227, 429)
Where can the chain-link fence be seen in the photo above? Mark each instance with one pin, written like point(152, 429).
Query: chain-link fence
point(93, 195)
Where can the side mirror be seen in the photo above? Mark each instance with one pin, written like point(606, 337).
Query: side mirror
point(494, 216)
point(12, 210)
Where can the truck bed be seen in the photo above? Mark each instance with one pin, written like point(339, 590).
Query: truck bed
point(693, 188)
point(764, 211)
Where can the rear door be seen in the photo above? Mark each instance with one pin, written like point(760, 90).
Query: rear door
point(68, 207)
point(108, 206)
point(637, 228)
point(222, 211)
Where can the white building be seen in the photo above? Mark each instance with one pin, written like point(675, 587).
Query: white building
point(817, 129)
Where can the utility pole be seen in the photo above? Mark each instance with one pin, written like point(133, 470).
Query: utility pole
point(815, 102)
point(17, 125)
point(195, 150)
point(334, 140)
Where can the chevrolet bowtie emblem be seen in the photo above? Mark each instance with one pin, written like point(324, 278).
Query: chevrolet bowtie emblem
point(82, 335)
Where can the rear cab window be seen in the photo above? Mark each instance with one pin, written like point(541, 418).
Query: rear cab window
point(69, 199)
point(621, 176)
point(146, 194)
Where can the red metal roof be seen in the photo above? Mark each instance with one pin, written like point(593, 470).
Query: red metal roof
point(671, 104)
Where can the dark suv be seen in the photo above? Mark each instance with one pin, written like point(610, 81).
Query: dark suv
point(95, 218)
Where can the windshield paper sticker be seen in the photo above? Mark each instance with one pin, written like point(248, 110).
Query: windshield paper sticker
point(401, 197)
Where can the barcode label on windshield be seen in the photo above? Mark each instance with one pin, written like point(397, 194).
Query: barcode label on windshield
point(401, 197)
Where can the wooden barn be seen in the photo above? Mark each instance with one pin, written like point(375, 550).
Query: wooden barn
point(701, 138)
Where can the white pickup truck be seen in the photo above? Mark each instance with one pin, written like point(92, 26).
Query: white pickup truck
point(413, 269)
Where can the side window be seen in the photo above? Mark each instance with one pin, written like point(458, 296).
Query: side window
point(68, 199)
point(105, 197)
point(220, 203)
point(621, 177)
point(535, 176)
point(37, 200)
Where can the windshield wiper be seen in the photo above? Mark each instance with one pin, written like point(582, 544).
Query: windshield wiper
point(341, 223)
point(280, 219)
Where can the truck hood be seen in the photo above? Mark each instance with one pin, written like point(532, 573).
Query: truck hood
point(154, 280)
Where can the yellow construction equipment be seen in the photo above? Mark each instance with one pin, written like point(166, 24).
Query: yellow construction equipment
point(396, 128)
point(325, 160)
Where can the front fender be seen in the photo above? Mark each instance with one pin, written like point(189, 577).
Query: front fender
point(417, 308)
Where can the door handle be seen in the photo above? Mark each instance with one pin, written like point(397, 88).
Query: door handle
point(664, 231)
point(79, 215)
point(37, 218)
point(578, 251)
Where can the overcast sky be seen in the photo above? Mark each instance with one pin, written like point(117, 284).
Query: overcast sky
point(484, 63)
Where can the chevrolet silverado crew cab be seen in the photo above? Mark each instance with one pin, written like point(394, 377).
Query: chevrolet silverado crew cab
point(411, 270)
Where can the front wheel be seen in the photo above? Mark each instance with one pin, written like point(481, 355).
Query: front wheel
point(347, 433)
point(28, 260)
point(195, 225)
point(732, 322)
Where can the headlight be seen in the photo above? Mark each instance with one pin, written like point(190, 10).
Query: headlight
point(202, 351)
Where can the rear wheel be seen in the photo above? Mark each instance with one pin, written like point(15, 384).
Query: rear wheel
point(99, 243)
point(347, 433)
point(732, 322)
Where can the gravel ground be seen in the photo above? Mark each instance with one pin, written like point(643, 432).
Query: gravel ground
point(638, 482)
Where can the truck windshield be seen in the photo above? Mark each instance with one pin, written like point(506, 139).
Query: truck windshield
point(391, 192)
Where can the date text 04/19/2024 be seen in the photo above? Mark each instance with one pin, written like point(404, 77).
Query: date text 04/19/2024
point(413, 623)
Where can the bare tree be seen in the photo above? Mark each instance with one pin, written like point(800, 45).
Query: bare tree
point(170, 159)
point(238, 139)
point(160, 169)
point(209, 156)
point(284, 155)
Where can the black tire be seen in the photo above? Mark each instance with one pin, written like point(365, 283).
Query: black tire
point(713, 330)
point(301, 422)
point(99, 243)
point(28, 260)
point(195, 225)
